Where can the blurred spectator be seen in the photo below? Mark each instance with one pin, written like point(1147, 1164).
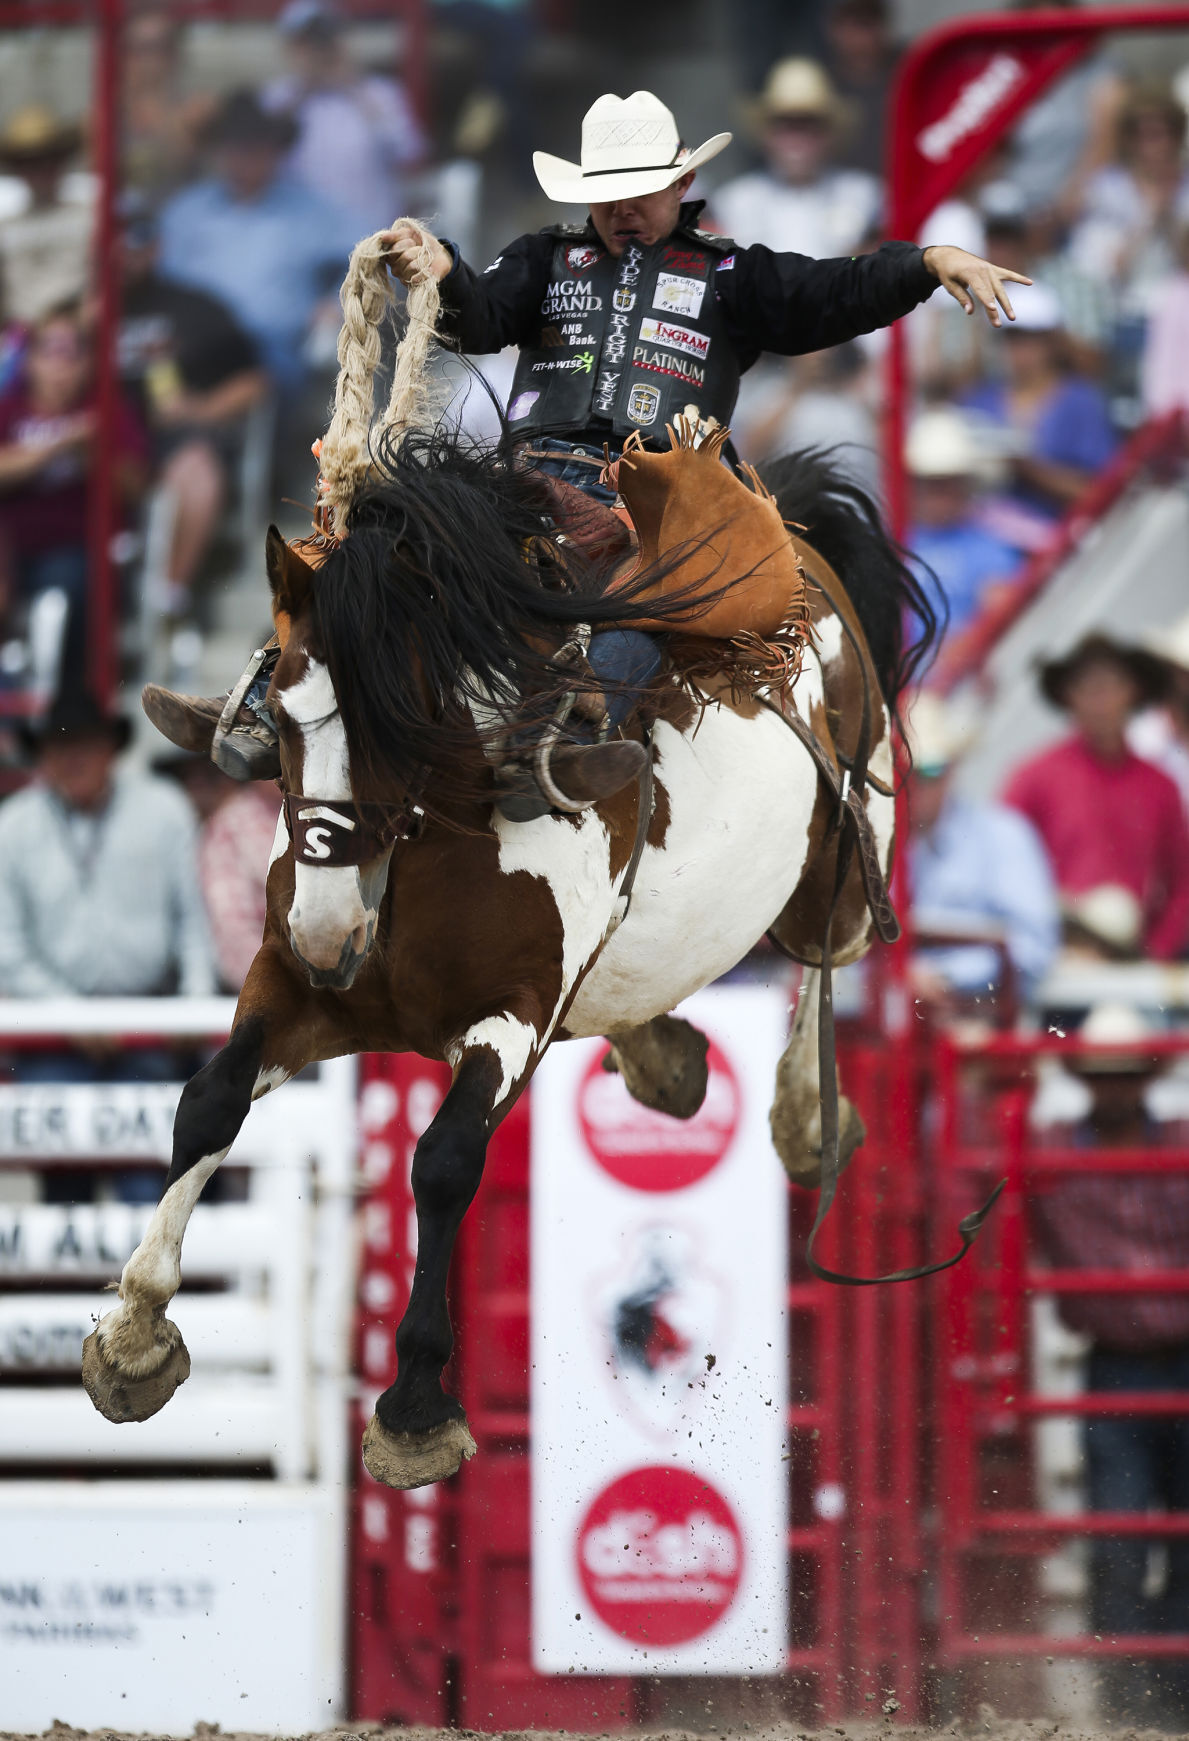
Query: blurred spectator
point(973, 867)
point(1161, 733)
point(160, 123)
point(861, 58)
point(252, 237)
point(1056, 428)
point(47, 425)
point(818, 401)
point(1026, 242)
point(946, 535)
point(355, 132)
point(1106, 816)
point(1067, 133)
point(98, 891)
point(1133, 210)
point(98, 898)
point(799, 202)
point(195, 373)
point(1164, 364)
point(235, 852)
point(45, 235)
point(1128, 1222)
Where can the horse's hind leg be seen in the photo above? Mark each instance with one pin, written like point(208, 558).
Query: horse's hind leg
point(419, 1434)
point(795, 1118)
point(134, 1360)
point(663, 1064)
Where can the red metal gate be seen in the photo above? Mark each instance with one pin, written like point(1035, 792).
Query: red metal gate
point(441, 1603)
point(986, 1397)
point(441, 1577)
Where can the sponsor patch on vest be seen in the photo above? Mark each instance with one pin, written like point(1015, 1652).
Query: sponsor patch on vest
point(676, 337)
point(567, 297)
point(663, 363)
point(644, 403)
point(582, 364)
point(624, 301)
point(683, 260)
point(679, 295)
point(580, 259)
point(727, 265)
point(521, 406)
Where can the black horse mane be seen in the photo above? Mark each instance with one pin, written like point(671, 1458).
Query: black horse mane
point(447, 602)
point(902, 619)
point(447, 595)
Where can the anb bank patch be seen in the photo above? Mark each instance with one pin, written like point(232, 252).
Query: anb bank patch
point(675, 337)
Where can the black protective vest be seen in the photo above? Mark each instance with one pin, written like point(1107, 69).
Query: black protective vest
point(627, 343)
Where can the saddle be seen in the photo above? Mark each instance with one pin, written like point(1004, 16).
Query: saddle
point(717, 542)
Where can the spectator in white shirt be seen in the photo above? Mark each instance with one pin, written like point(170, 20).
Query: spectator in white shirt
point(799, 202)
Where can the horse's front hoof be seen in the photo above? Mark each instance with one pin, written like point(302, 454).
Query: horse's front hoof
point(120, 1398)
point(416, 1459)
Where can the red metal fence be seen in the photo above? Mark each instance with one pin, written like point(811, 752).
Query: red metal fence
point(910, 1428)
point(986, 1394)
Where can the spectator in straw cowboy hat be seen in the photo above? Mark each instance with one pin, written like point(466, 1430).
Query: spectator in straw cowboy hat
point(1128, 1221)
point(637, 316)
point(1104, 814)
point(799, 201)
point(45, 235)
point(972, 866)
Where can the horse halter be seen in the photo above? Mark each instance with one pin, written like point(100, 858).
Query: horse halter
point(330, 833)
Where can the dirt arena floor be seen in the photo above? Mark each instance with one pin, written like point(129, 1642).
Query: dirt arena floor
point(986, 1727)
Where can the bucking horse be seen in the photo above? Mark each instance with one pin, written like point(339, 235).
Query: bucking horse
point(407, 914)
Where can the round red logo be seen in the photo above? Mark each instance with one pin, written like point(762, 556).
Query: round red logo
point(660, 1555)
point(649, 1150)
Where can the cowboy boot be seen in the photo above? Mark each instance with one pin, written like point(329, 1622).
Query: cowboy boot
point(579, 774)
point(234, 729)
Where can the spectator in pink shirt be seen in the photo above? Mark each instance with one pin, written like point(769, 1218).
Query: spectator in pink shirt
point(1105, 815)
point(234, 854)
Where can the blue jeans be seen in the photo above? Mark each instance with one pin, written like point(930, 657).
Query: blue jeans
point(1139, 1463)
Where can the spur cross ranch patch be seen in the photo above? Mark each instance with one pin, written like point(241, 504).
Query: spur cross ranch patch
point(676, 295)
point(644, 403)
point(675, 337)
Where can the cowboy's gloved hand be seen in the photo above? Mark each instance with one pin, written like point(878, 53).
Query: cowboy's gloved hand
point(404, 244)
point(969, 279)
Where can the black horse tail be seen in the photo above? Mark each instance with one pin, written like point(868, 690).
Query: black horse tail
point(902, 618)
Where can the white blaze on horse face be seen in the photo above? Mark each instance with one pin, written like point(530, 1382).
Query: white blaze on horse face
point(330, 909)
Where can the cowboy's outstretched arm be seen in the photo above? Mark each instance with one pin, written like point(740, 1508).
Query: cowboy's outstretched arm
point(970, 280)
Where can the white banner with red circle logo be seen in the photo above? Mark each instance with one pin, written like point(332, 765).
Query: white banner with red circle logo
point(660, 1369)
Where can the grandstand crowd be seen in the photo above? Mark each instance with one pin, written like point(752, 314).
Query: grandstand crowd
point(240, 198)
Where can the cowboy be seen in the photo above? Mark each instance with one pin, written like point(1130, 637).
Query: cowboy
point(638, 316)
point(1105, 815)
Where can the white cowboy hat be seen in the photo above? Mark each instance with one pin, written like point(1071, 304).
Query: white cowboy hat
point(942, 443)
point(1115, 1024)
point(798, 86)
point(939, 734)
point(630, 145)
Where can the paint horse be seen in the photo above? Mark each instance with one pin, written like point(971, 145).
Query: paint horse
point(405, 914)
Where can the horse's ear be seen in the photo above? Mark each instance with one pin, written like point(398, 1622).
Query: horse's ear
point(289, 575)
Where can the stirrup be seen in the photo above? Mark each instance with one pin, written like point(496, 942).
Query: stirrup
point(247, 693)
